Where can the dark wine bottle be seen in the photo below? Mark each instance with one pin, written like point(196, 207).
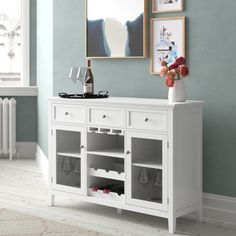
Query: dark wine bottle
point(88, 88)
point(105, 187)
point(119, 189)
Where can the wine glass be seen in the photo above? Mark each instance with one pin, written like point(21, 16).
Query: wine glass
point(158, 179)
point(82, 74)
point(66, 165)
point(77, 167)
point(144, 177)
point(158, 184)
point(73, 74)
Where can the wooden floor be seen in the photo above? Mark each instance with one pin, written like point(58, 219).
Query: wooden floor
point(23, 189)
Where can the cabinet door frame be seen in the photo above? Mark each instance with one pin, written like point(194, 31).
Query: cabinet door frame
point(143, 203)
point(82, 190)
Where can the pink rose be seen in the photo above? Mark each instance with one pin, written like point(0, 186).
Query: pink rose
point(180, 61)
point(173, 66)
point(170, 82)
point(170, 79)
point(164, 71)
point(183, 70)
point(176, 70)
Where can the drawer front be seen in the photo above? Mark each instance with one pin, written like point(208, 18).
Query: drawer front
point(106, 116)
point(69, 114)
point(148, 120)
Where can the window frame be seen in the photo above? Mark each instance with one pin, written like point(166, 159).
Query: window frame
point(25, 66)
point(25, 48)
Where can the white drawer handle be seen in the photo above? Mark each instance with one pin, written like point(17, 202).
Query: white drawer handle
point(146, 120)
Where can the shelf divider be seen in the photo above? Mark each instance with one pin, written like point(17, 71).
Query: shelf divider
point(117, 152)
point(71, 153)
point(108, 175)
point(150, 163)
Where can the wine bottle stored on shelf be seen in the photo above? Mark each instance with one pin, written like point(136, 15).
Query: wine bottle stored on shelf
point(88, 86)
point(105, 187)
point(119, 189)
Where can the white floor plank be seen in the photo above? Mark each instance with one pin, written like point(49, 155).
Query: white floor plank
point(22, 188)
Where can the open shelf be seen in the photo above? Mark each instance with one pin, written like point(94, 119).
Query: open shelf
point(149, 163)
point(106, 145)
point(110, 196)
point(111, 174)
point(71, 153)
point(110, 152)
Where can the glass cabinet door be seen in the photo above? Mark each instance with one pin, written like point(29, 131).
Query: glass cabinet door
point(69, 159)
point(147, 170)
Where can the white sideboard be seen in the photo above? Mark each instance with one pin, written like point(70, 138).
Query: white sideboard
point(148, 147)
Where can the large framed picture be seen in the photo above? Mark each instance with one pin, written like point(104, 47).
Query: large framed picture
point(116, 28)
point(159, 6)
point(167, 41)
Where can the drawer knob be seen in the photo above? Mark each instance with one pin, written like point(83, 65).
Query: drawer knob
point(128, 152)
point(67, 113)
point(146, 120)
point(104, 116)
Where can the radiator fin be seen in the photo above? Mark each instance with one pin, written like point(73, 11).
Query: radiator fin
point(8, 127)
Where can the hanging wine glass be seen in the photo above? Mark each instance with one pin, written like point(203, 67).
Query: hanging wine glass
point(66, 165)
point(144, 177)
point(158, 179)
point(77, 167)
point(158, 184)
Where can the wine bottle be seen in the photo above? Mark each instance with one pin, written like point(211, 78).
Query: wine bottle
point(88, 87)
point(119, 189)
point(106, 188)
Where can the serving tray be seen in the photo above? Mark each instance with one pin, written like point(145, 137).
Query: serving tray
point(101, 94)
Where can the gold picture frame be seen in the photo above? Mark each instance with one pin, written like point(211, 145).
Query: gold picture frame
point(162, 6)
point(167, 41)
point(144, 36)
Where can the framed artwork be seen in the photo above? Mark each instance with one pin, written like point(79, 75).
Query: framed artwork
point(167, 41)
point(159, 6)
point(116, 28)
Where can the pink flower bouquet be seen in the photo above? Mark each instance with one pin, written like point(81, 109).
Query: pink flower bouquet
point(176, 71)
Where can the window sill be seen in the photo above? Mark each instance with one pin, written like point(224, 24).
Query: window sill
point(18, 91)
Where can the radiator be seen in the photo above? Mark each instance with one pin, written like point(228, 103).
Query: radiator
point(8, 127)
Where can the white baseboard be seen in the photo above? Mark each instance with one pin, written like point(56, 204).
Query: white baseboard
point(219, 209)
point(216, 209)
point(26, 149)
point(42, 162)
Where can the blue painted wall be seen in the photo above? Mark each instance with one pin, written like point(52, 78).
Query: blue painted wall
point(44, 66)
point(211, 56)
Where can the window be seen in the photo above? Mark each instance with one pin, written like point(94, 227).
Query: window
point(14, 42)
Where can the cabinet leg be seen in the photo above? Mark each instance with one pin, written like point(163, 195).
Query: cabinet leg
point(52, 200)
point(119, 211)
point(199, 214)
point(172, 224)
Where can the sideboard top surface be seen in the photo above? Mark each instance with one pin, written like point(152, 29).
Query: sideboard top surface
point(127, 101)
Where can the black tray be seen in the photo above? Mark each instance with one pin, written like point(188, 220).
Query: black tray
point(101, 94)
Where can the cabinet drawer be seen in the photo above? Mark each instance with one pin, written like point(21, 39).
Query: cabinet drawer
point(69, 114)
point(148, 120)
point(106, 116)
